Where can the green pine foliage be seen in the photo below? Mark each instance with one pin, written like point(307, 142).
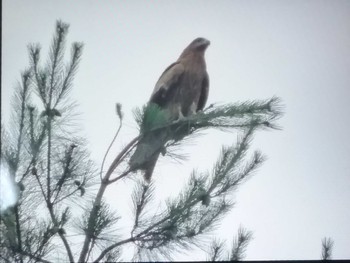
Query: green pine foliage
point(45, 155)
point(327, 247)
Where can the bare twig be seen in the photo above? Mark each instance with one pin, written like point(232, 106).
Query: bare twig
point(110, 146)
point(120, 157)
point(40, 185)
point(120, 176)
point(56, 201)
point(27, 170)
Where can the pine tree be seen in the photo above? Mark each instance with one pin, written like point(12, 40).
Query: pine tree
point(48, 160)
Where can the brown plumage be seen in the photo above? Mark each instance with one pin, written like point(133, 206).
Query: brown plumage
point(182, 90)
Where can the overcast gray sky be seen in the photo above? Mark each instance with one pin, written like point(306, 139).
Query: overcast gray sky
point(297, 50)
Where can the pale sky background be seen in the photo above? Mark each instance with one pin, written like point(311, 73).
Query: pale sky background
point(297, 50)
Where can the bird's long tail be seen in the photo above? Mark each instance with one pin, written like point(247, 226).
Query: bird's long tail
point(146, 154)
point(150, 168)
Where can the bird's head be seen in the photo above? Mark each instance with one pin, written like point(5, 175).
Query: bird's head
point(199, 44)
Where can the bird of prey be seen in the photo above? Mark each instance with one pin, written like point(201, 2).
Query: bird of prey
point(181, 91)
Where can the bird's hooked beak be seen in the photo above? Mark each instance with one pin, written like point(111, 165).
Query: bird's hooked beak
point(206, 42)
point(203, 43)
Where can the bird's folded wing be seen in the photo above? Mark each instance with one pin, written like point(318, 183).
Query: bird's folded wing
point(204, 92)
point(167, 80)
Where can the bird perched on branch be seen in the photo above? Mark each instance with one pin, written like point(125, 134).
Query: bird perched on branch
point(181, 91)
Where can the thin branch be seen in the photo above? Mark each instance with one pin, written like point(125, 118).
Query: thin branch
point(56, 201)
point(23, 95)
point(49, 204)
point(49, 140)
point(68, 160)
point(40, 185)
point(120, 157)
point(131, 239)
point(104, 252)
point(18, 232)
point(110, 146)
point(140, 202)
point(60, 233)
point(120, 176)
point(27, 170)
point(91, 247)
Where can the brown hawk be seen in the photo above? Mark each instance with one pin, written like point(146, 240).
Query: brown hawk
point(181, 90)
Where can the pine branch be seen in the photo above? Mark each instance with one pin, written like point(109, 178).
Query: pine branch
point(227, 163)
point(327, 247)
point(71, 69)
point(237, 115)
point(98, 199)
point(66, 170)
point(226, 175)
point(40, 76)
point(216, 251)
point(165, 230)
point(141, 196)
point(25, 152)
point(36, 139)
point(18, 232)
point(48, 175)
point(44, 237)
point(113, 256)
point(166, 133)
point(110, 248)
point(240, 244)
point(60, 233)
point(51, 89)
point(23, 99)
point(13, 156)
point(56, 57)
point(98, 227)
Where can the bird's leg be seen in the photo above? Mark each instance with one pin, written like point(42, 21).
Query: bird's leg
point(180, 116)
point(193, 109)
